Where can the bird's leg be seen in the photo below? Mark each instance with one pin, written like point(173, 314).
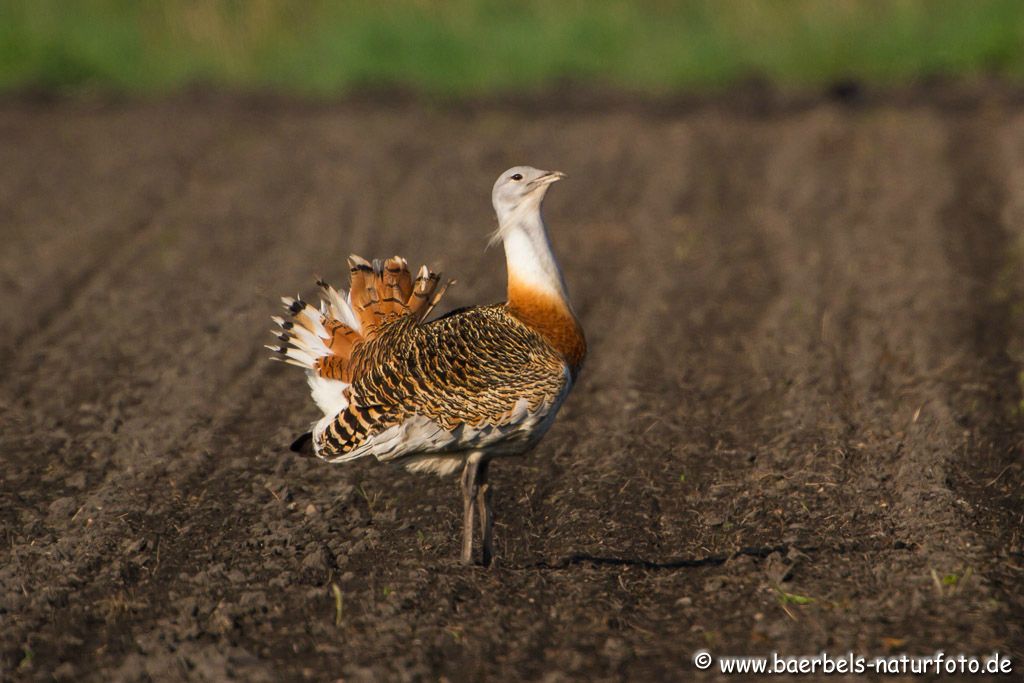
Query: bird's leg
point(485, 511)
point(469, 497)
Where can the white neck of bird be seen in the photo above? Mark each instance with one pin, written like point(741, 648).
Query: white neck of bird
point(529, 258)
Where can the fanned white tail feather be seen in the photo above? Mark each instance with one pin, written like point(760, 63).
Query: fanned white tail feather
point(306, 340)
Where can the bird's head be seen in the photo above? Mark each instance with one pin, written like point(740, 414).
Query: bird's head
point(521, 188)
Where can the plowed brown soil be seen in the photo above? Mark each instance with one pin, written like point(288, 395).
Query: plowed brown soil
point(799, 427)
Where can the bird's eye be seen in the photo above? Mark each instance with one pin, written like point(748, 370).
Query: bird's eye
point(517, 176)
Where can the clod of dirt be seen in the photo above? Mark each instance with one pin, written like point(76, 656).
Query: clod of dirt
point(220, 621)
point(616, 650)
point(314, 565)
point(62, 508)
point(777, 568)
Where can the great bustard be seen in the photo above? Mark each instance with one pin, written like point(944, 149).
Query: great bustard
point(480, 382)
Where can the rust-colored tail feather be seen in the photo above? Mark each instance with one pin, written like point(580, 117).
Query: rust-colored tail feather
point(426, 293)
point(391, 276)
point(363, 291)
point(383, 291)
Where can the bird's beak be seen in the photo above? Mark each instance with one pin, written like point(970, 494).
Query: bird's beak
point(546, 179)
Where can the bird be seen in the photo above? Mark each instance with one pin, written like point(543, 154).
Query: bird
point(479, 383)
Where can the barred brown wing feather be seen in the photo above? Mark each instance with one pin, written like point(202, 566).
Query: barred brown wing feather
point(478, 368)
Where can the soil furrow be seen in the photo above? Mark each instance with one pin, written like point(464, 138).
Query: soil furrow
point(985, 247)
point(865, 318)
point(145, 453)
point(60, 231)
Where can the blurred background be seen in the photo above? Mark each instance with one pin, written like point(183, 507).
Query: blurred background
point(468, 47)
